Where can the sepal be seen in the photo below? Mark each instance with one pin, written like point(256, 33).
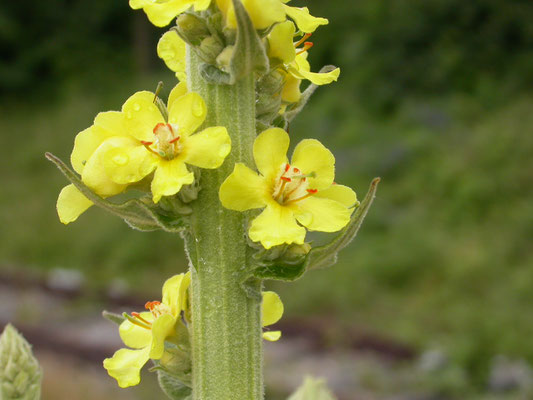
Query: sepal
point(173, 387)
point(20, 374)
point(115, 318)
point(326, 256)
point(312, 389)
point(141, 214)
point(283, 263)
point(249, 54)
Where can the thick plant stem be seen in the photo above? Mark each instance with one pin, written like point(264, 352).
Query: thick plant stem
point(226, 322)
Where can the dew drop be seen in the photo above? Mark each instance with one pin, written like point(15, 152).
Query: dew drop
point(198, 108)
point(120, 159)
point(136, 106)
point(224, 150)
point(128, 115)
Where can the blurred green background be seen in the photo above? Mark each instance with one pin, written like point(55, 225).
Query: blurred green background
point(435, 97)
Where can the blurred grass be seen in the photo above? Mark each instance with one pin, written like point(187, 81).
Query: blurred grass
point(443, 260)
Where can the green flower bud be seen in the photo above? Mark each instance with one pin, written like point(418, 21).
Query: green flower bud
point(20, 374)
point(192, 29)
point(209, 49)
point(224, 58)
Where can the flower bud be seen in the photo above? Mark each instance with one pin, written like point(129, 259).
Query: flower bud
point(192, 29)
point(20, 374)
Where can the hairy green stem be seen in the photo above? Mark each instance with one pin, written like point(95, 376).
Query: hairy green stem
point(226, 323)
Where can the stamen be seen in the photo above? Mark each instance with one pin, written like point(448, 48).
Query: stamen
point(147, 146)
point(159, 125)
point(135, 321)
point(303, 39)
point(286, 179)
point(307, 46)
point(310, 192)
point(287, 167)
point(175, 139)
point(138, 316)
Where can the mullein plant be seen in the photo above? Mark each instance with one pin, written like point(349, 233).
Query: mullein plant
point(211, 164)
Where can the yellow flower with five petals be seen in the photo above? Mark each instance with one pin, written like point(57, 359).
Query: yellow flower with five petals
point(294, 195)
point(165, 147)
point(146, 332)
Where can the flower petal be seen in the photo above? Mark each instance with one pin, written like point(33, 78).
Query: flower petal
point(125, 366)
point(342, 194)
point(311, 157)
point(85, 143)
point(276, 225)
point(290, 93)
point(280, 40)
point(94, 173)
point(270, 151)
point(301, 69)
point(175, 292)
point(162, 328)
point(71, 203)
point(272, 336)
point(135, 336)
point(129, 164)
point(243, 189)
point(207, 149)
point(171, 49)
point(263, 13)
point(141, 115)
point(169, 177)
point(305, 21)
point(271, 308)
point(324, 215)
point(160, 14)
point(179, 90)
point(188, 112)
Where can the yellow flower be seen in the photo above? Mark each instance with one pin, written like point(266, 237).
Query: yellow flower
point(122, 148)
point(172, 50)
point(272, 310)
point(146, 332)
point(293, 194)
point(161, 12)
point(165, 146)
point(265, 13)
point(294, 66)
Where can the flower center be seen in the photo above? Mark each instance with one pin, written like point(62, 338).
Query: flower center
point(167, 142)
point(155, 307)
point(291, 185)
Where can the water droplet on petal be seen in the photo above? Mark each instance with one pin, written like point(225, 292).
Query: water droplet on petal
point(223, 151)
point(128, 115)
point(136, 106)
point(198, 108)
point(120, 159)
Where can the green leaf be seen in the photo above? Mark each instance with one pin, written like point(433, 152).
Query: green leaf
point(173, 387)
point(312, 389)
point(20, 374)
point(138, 214)
point(282, 263)
point(249, 54)
point(115, 318)
point(326, 256)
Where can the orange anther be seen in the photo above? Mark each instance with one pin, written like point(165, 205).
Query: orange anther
point(287, 167)
point(145, 143)
point(159, 125)
point(284, 178)
point(312, 191)
point(175, 139)
point(303, 39)
point(296, 170)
